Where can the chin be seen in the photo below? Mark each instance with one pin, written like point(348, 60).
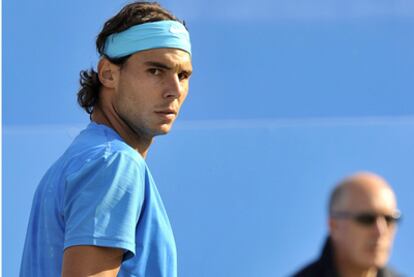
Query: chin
point(163, 130)
point(379, 260)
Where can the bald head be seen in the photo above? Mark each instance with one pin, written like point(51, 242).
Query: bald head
point(360, 185)
point(362, 208)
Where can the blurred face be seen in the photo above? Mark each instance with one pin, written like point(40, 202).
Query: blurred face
point(363, 238)
point(152, 85)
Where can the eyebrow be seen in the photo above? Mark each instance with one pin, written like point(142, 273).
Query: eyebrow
point(164, 66)
point(158, 64)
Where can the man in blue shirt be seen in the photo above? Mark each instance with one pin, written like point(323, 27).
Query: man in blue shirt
point(97, 211)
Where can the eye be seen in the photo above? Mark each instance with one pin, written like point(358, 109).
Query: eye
point(366, 219)
point(155, 71)
point(183, 75)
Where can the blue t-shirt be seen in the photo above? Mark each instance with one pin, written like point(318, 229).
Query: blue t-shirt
point(100, 192)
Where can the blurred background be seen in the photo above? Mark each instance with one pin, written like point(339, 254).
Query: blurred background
point(287, 98)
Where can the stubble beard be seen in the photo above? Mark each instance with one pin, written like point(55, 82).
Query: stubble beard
point(142, 131)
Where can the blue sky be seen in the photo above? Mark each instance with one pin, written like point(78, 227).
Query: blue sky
point(287, 97)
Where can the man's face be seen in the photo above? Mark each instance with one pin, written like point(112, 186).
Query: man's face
point(152, 85)
point(365, 245)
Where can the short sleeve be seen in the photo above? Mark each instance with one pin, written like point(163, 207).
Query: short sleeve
point(103, 201)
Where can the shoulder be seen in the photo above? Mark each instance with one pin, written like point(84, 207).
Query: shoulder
point(113, 179)
point(98, 139)
point(100, 146)
point(311, 270)
point(388, 272)
point(116, 167)
point(323, 266)
point(101, 168)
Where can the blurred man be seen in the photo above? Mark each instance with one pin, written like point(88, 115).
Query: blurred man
point(97, 211)
point(362, 223)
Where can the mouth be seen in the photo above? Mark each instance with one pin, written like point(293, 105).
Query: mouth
point(168, 114)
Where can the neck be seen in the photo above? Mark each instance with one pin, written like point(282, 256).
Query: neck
point(108, 116)
point(347, 269)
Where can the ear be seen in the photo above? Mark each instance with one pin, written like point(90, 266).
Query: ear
point(333, 226)
point(108, 73)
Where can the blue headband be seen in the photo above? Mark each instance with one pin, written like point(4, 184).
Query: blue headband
point(159, 34)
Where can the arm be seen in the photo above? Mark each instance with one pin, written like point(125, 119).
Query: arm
point(85, 261)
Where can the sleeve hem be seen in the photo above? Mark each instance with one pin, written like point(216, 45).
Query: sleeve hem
point(102, 242)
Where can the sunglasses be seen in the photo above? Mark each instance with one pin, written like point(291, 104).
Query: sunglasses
point(369, 219)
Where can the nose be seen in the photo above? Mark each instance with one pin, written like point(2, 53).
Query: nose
point(380, 226)
point(174, 88)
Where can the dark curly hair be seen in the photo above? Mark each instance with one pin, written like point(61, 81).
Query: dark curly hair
point(132, 14)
